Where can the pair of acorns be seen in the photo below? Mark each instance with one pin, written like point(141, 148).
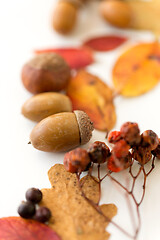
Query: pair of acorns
point(59, 128)
point(115, 12)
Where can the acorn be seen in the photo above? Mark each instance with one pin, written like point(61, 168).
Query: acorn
point(116, 12)
point(43, 105)
point(62, 132)
point(46, 72)
point(65, 16)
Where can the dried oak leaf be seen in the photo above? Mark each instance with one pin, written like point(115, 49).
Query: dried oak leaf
point(75, 57)
point(137, 70)
point(73, 217)
point(88, 93)
point(145, 15)
point(16, 228)
point(105, 43)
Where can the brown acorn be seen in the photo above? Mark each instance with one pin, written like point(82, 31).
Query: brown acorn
point(65, 16)
point(116, 12)
point(62, 132)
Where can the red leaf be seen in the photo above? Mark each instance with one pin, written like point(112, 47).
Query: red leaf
point(105, 43)
point(75, 57)
point(16, 228)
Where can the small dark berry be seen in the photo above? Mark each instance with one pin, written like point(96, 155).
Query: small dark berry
point(26, 210)
point(114, 136)
point(34, 195)
point(150, 140)
point(98, 152)
point(76, 160)
point(43, 214)
point(131, 133)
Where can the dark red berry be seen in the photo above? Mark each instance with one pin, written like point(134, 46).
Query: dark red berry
point(114, 136)
point(43, 214)
point(98, 152)
point(131, 133)
point(76, 160)
point(150, 139)
point(26, 210)
point(156, 152)
point(142, 155)
point(121, 149)
point(34, 195)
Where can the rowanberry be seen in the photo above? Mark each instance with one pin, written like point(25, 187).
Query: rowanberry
point(149, 139)
point(118, 164)
point(76, 160)
point(142, 155)
point(121, 149)
point(98, 152)
point(156, 152)
point(114, 136)
point(131, 133)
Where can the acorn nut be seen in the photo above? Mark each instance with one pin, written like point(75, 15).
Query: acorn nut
point(46, 104)
point(116, 12)
point(62, 132)
point(65, 16)
point(46, 72)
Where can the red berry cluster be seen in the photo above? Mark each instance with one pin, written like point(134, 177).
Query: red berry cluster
point(28, 209)
point(129, 145)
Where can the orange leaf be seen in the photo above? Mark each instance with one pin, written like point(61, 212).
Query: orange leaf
point(137, 70)
point(16, 228)
point(88, 93)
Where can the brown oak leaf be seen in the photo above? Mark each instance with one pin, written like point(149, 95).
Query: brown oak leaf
point(73, 217)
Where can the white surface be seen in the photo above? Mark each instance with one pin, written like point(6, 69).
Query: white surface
point(25, 26)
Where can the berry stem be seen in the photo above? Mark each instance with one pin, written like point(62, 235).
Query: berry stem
point(98, 209)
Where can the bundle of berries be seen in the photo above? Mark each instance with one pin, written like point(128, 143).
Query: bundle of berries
point(30, 210)
point(128, 145)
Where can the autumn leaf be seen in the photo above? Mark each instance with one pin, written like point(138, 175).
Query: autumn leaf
point(105, 43)
point(88, 93)
point(145, 15)
point(75, 57)
point(16, 228)
point(137, 70)
point(73, 217)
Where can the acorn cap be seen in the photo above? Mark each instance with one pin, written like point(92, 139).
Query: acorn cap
point(85, 126)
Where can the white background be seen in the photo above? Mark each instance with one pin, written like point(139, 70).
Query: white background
point(25, 26)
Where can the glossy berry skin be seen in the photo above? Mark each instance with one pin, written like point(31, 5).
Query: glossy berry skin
point(76, 160)
point(142, 155)
point(34, 195)
point(26, 210)
point(156, 152)
point(98, 152)
point(131, 133)
point(114, 136)
point(43, 214)
point(116, 165)
point(121, 149)
point(150, 139)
